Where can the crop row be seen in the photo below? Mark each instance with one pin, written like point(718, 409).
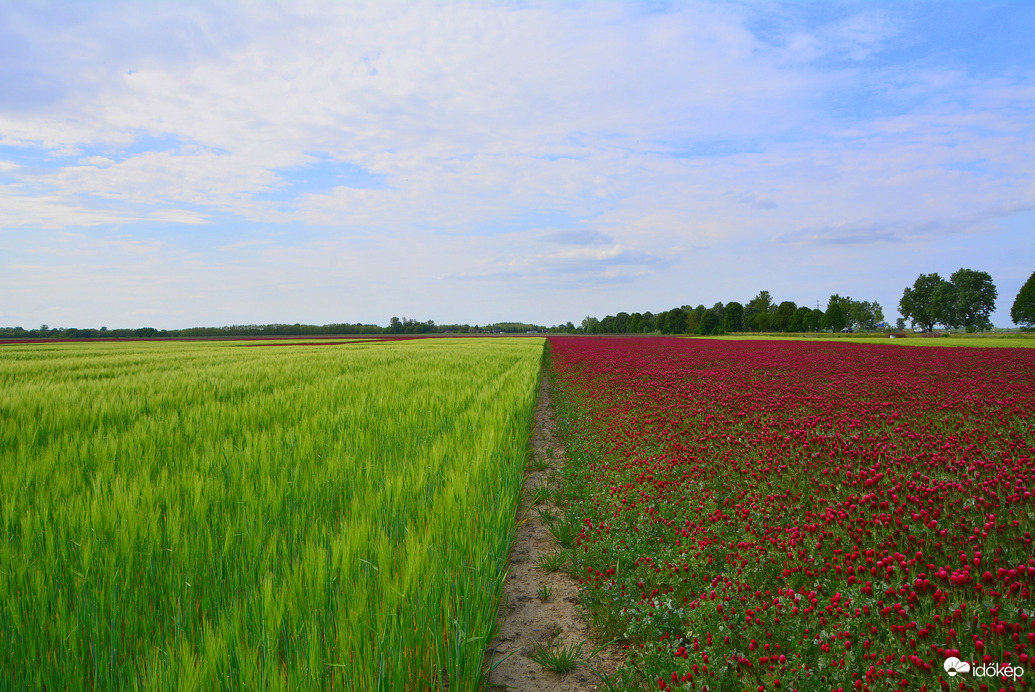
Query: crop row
point(812, 516)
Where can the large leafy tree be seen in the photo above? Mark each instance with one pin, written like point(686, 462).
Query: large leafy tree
point(1023, 310)
point(968, 300)
point(813, 322)
point(709, 323)
point(835, 318)
point(841, 316)
point(783, 314)
point(693, 319)
point(798, 320)
point(865, 315)
point(671, 321)
point(733, 320)
point(720, 311)
point(756, 312)
point(922, 303)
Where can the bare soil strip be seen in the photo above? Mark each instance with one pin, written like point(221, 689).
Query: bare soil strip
point(526, 618)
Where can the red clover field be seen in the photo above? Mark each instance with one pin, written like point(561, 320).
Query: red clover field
point(812, 516)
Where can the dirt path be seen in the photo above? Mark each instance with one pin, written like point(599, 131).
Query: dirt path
point(526, 618)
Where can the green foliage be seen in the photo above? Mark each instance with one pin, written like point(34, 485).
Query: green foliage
point(734, 318)
point(798, 320)
point(693, 319)
point(709, 324)
point(923, 304)
point(783, 314)
point(757, 316)
point(813, 322)
point(864, 314)
point(211, 516)
point(968, 300)
point(835, 319)
point(1023, 310)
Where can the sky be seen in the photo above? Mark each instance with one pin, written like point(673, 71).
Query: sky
point(177, 164)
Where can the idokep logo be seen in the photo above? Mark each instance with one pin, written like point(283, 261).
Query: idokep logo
point(954, 666)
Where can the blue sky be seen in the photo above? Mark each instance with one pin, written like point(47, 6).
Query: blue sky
point(190, 163)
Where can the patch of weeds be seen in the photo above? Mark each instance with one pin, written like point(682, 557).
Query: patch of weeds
point(562, 527)
point(558, 658)
point(539, 495)
point(564, 659)
point(564, 531)
point(551, 562)
point(545, 593)
point(539, 463)
point(547, 515)
point(606, 617)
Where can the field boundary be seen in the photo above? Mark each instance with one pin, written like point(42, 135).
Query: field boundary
point(540, 609)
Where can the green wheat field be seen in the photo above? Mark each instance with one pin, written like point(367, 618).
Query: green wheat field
point(198, 516)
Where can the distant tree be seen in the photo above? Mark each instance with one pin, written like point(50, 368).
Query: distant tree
point(635, 325)
point(783, 314)
point(720, 311)
point(672, 321)
point(709, 324)
point(762, 304)
point(968, 300)
point(589, 324)
point(733, 320)
point(761, 321)
point(865, 315)
point(900, 323)
point(1023, 310)
point(845, 303)
point(798, 320)
point(693, 320)
point(835, 319)
point(813, 322)
point(922, 304)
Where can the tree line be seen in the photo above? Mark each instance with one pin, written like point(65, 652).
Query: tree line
point(760, 314)
point(965, 301)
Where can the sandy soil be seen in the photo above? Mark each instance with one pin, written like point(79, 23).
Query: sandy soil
point(525, 618)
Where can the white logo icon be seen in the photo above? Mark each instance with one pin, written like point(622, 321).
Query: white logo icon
point(954, 666)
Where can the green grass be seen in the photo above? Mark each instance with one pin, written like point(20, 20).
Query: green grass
point(207, 516)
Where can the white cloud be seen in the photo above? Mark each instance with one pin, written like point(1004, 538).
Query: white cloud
point(662, 134)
